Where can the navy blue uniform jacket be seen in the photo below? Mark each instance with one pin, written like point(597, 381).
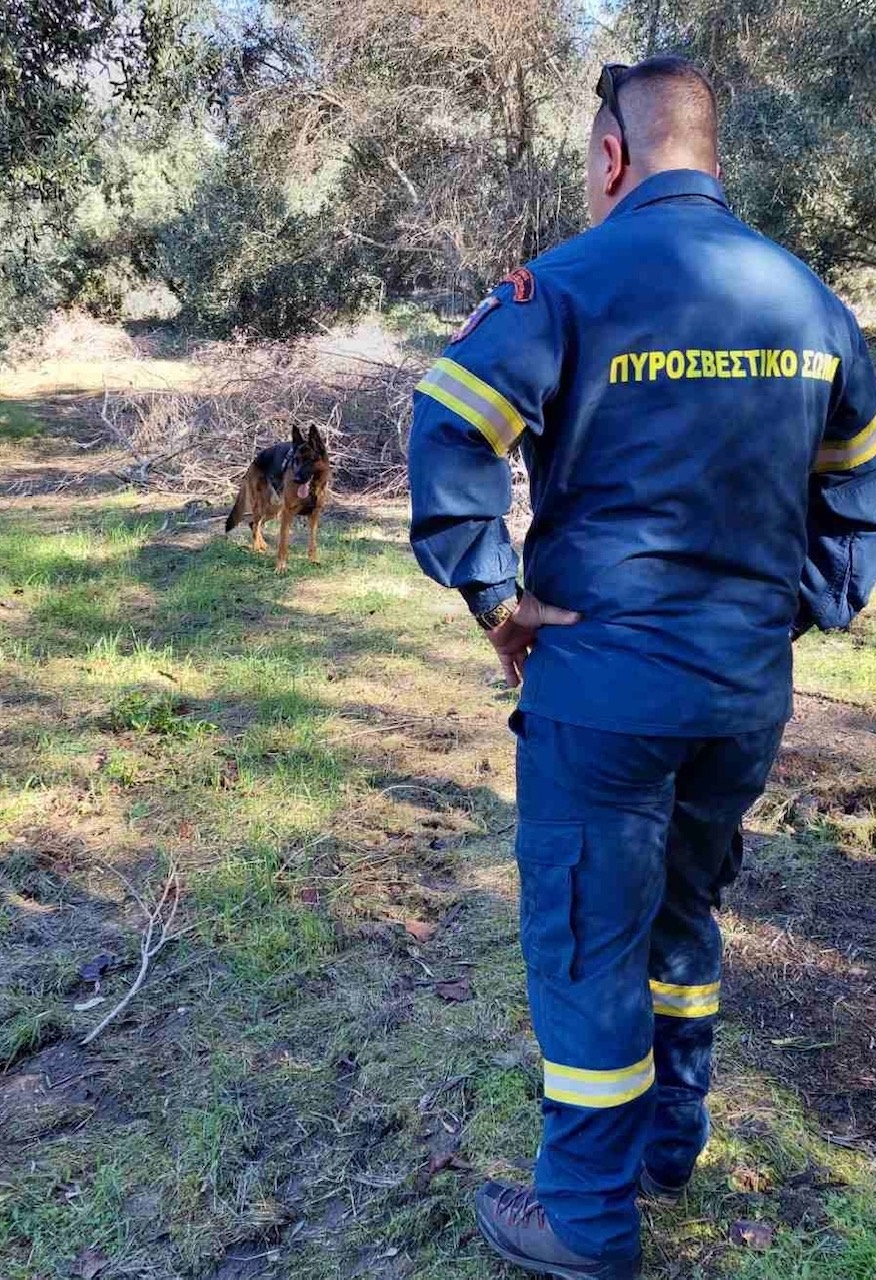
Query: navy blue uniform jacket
point(697, 413)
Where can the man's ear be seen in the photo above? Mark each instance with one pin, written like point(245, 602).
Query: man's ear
point(297, 437)
point(612, 160)
point(314, 439)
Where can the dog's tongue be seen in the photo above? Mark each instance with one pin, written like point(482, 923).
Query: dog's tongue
point(304, 490)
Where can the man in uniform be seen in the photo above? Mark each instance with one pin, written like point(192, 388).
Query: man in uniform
point(697, 412)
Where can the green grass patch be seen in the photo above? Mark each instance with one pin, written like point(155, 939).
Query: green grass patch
point(420, 328)
point(18, 421)
point(166, 716)
point(27, 1027)
point(251, 916)
point(839, 665)
point(68, 1203)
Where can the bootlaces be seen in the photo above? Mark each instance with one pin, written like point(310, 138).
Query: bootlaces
point(518, 1204)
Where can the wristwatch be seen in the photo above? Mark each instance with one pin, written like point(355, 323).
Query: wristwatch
point(499, 613)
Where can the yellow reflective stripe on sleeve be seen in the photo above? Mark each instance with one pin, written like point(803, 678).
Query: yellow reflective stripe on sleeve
point(475, 401)
point(845, 455)
point(583, 1088)
point(676, 1001)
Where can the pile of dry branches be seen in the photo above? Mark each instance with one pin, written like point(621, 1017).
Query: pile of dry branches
point(355, 387)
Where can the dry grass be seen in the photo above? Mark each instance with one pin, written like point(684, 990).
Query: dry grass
point(193, 425)
point(77, 355)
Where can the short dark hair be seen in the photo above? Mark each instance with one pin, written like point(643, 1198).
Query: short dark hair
point(665, 66)
point(667, 100)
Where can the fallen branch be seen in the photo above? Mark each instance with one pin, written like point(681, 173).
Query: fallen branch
point(150, 944)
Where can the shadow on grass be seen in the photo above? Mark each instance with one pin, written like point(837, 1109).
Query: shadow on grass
point(799, 983)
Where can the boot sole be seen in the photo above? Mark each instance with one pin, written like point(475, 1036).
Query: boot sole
point(609, 1271)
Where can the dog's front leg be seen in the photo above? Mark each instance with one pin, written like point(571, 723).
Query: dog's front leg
point(258, 538)
point(313, 521)
point(283, 543)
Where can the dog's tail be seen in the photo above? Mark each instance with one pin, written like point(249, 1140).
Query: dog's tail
point(238, 511)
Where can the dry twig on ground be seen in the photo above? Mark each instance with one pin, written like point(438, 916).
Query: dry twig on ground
point(156, 935)
point(355, 386)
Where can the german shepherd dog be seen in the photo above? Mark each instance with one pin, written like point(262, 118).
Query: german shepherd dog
point(288, 479)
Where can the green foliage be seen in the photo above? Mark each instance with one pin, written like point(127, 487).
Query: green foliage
point(60, 58)
point(239, 256)
point(45, 48)
point(77, 79)
point(271, 168)
point(165, 716)
point(380, 150)
point(796, 84)
point(141, 185)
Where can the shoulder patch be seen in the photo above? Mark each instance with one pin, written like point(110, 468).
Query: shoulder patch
point(482, 309)
point(524, 284)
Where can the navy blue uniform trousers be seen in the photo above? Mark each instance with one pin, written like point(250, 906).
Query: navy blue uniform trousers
point(623, 845)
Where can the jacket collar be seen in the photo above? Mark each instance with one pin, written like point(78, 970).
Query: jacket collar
point(669, 185)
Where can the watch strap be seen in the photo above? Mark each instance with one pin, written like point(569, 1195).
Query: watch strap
point(492, 618)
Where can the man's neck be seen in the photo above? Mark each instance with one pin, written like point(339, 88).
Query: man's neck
point(636, 174)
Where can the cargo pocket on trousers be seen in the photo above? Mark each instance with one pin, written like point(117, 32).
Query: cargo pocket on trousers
point(547, 853)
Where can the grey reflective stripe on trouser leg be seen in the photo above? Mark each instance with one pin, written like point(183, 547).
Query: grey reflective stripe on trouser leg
point(676, 1001)
point(583, 1088)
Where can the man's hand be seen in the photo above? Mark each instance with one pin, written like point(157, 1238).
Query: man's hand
point(516, 636)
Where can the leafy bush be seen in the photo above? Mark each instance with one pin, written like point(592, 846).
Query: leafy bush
point(796, 84)
point(241, 256)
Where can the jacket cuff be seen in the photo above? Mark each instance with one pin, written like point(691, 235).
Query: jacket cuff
point(480, 597)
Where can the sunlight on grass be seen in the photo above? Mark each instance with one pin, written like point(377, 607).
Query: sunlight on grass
point(835, 665)
point(54, 376)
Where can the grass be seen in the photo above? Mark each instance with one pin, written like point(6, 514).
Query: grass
point(18, 422)
point(833, 665)
point(324, 757)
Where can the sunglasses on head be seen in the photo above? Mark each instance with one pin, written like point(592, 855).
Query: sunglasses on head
point(606, 89)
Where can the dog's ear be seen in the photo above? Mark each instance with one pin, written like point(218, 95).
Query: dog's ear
point(297, 437)
point(315, 441)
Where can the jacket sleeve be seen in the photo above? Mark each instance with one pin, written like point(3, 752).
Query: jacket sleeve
point(490, 386)
point(840, 569)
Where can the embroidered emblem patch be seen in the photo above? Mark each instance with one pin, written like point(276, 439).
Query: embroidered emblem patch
point(482, 309)
point(524, 284)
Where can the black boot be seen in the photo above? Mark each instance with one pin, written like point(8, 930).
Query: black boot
point(513, 1223)
point(651, 1189)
